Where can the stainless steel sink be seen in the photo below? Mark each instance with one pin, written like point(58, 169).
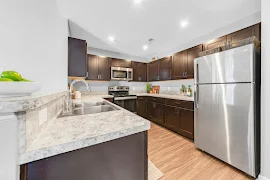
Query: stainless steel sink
point(93, 109)
point(88, 104)
point(90, 108)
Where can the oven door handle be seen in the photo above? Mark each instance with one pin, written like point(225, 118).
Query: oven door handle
point(125, 98)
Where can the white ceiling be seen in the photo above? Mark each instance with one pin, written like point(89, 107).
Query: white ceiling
point(132, 25)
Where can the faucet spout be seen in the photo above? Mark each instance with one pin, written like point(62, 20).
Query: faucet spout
point(79, 80)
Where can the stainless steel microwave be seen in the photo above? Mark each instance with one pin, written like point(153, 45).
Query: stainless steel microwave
point(121, 74)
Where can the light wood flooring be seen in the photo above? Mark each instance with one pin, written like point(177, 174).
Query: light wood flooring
point(178, 158)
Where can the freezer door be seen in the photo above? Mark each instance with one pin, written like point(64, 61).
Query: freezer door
point(224, 123)
point(235, 65)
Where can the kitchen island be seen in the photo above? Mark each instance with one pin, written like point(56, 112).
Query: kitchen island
point(106, 145)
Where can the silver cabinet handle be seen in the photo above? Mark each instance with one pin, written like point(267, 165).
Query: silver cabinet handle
point(176, 110)
point(100, 77)
point(86, 75)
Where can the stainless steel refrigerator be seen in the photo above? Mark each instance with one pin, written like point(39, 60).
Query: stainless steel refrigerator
point(227, 107)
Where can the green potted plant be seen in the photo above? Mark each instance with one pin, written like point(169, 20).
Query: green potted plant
point(148, 87)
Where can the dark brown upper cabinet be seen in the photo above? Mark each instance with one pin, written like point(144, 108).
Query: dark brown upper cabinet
point(192, 53)
point(99, 68)
point(244, 33)
point(153, 71)
point(215, 43)
point(139, 71)
point(120, 63)
point(179, 64)
point(77, 57)
point(165, 68)
point(254, 30)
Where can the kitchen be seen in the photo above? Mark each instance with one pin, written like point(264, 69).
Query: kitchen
point(162, 122)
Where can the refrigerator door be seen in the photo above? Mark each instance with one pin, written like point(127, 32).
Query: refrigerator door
point(224, 123)
point(235, 65)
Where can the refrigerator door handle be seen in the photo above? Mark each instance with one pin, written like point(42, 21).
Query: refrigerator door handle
point(196, 96)
point(197, 73)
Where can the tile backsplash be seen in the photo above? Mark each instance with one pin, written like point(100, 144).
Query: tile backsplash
point(172, 86)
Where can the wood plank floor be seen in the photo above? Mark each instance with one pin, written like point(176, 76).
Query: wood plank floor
point(178, 158)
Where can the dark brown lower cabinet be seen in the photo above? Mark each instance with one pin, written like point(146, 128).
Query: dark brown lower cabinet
point(141, 107)
point(172, 118)
point(187, 123)
point(121, 159)
point(179, 120)
point(175, 115)
point(155, 112)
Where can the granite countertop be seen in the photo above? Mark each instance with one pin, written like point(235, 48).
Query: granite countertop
point(24, 103)
point(71, 133)
point(169, 96)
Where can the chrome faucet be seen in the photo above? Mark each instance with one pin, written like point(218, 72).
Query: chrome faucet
point(68, 104)
point(78, 80)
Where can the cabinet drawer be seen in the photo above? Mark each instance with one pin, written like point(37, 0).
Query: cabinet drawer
point(141, 98)
point(155, 99)
point(180, 103)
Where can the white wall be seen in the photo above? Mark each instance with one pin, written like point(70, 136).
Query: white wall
point(33, 41)
point(265, 93)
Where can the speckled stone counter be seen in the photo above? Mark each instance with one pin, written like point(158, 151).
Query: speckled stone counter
point(71, 133)
point(169, 96)
point(25, 103)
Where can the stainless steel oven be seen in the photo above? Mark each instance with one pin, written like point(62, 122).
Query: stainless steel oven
point(119, 73)
point(122, 97)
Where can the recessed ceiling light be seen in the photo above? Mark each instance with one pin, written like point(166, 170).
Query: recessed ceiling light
point(184, 23)
point(111, 38)
point(137, 1)
point(145, 47)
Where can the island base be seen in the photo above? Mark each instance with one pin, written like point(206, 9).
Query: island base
point(120, 159)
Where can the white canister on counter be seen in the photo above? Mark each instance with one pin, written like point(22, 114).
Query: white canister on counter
point(77, 95)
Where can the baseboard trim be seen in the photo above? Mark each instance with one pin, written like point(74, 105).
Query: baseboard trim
point(260, 177)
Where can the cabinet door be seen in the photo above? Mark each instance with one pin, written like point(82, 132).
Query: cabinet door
point(141, 107)
point(126, 63)
point(142, 71)
point(244, 33)
point(77, 57)
point(134, 66)
point(104, 68)
point(165, 68)
point(215, 43)
point(179, 64)
point(121, 63)
point(172, 118)
point(187, 123)
point(116, 62)
point(92, 67)
point(153, 71)
point(155, 112)
point(192, 53)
